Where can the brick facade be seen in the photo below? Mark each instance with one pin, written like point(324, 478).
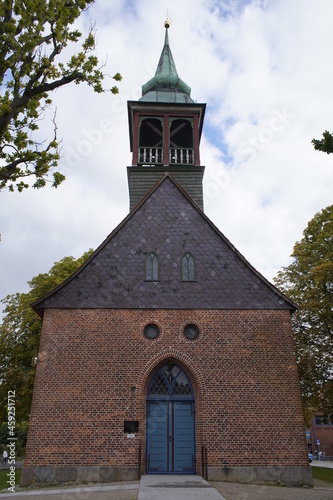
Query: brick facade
point(93, 371)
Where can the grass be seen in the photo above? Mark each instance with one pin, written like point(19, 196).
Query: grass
point(322, 474)
point(4, 478)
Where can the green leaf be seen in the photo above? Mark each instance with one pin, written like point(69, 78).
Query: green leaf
point(308, 280)
point(325, 144)
point(32, 39)
point(20, 335)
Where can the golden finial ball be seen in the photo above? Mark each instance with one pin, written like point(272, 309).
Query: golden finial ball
point(168, 21)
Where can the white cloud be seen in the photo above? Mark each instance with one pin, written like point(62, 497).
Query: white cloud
point(264, 70)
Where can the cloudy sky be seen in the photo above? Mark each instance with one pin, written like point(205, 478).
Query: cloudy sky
point(264, 68)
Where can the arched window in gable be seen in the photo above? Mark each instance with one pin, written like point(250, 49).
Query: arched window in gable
point(188, 268)
point(152, 267)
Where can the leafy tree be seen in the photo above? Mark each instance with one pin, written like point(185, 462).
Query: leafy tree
point(33, 34)
point(20, 336)
point(308, 280)
point(325, 144)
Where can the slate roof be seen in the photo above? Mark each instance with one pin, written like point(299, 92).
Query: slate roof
point(168, 222)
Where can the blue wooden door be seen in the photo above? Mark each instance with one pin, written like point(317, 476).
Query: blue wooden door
point(170, 423)
point(183, 437)
point(157, 436)
point(170, 437)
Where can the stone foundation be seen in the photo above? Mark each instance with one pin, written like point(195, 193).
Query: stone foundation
point(282, 476)
point(76, 475)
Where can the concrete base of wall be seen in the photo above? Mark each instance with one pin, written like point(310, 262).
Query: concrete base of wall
point(283, 476)
point(76, 475)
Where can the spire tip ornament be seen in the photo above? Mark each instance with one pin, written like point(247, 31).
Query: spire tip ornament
point(168, 22)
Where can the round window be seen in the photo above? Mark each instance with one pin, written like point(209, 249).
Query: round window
point(151, 331)
point(191, 331)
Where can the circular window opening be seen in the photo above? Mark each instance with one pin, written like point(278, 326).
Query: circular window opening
point(191, 331)
point(151, 331)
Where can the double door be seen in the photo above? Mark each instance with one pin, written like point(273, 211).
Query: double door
point(170, 437)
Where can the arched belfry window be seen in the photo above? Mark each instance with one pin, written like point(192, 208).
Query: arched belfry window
point(151, 141)
point(170, 382)
point(181, 134)
point(188, 267)
point(181, 142)
point(152, 267)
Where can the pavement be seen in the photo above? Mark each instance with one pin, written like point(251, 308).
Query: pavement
point(18, 465)
point(327, 464)
point(153, 487)
point(119, 491)
point(236, 491)
point(168, 487)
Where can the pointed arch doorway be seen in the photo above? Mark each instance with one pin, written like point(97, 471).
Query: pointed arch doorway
point(170, 423)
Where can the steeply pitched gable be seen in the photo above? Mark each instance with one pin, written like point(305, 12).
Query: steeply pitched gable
point(168, 223)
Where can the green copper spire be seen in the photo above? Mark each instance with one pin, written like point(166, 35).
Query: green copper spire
point(166, 86)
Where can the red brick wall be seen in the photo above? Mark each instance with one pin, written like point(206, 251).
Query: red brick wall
point(94, 367)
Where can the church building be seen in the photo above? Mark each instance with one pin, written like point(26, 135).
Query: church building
point(166, 352)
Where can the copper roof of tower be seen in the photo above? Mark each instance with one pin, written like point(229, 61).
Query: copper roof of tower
point(166, 86)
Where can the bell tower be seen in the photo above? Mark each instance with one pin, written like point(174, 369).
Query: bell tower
point(165, 127)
